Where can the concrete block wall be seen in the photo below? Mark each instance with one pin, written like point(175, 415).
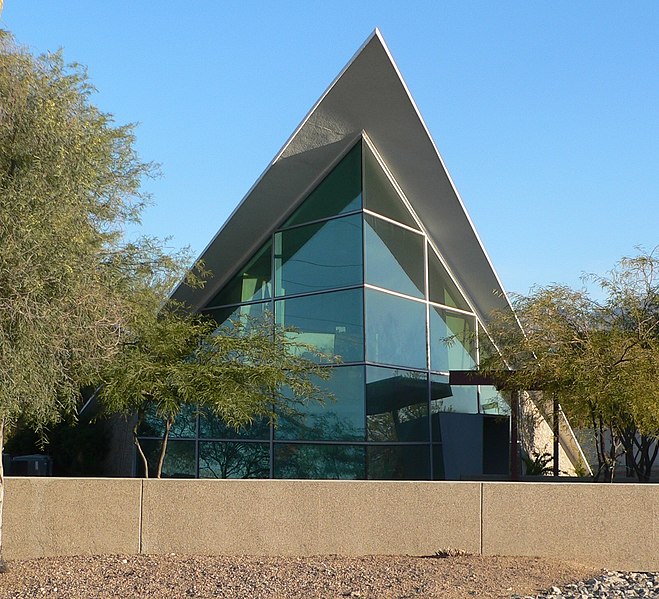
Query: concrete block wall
point(612, 526)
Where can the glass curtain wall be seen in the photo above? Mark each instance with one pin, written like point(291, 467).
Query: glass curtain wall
point(354, 273)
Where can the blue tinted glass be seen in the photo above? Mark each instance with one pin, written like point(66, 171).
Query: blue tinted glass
point(339, 418)
point(395, 330)
point(319, 461)
point(324, 255)
point(396, 404)
point(331, 322)
point(234, 460)
point(394, 257)
point(452, 344)
point(338, 193)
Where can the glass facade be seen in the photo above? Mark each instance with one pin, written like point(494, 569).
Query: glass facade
point(353, 272)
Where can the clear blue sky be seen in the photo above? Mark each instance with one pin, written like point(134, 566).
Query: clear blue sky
point(546, 113)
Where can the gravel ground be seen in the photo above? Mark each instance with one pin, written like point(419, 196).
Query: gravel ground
point(290, 578)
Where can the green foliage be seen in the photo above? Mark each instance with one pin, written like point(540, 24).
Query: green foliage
point(69, 182)
point(600, 358)
point(71, 285)
point(239, 372)
point(538, 464)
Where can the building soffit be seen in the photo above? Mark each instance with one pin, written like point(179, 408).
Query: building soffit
point(368, 95)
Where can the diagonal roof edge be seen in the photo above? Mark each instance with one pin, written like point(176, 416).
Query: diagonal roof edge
point(369, 94)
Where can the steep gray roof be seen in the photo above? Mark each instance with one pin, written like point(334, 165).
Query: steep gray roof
point(368, 95)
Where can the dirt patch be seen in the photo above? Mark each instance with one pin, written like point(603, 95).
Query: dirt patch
point(279, 577)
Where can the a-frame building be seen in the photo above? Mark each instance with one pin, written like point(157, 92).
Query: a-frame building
point(356, 236)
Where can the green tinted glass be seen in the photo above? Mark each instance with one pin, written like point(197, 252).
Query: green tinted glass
point(402, 462)
point(324, 255)
point(380, 195)
point(394, 257)
point(339, 418)
point(245, 314)
point(331, 322)
point(338, 193)
point(493, 402)
point(319, 461)
point(252, 283)
point(395, 330)
point(396, 404)
point(234, 460)
point(452, 344)
point(441, 287)
point(180, 460)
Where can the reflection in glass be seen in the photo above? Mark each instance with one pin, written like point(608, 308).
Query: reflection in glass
point(462, 399)
point(401, 462)
point(337, 419)
point(324, 255)
point(180, 460)
point(319, 461)
point(493, 402)
point(252, 283)
point(395, 330)
point(185, 424)
point(331, 322)
point(396, 405)
point(380, 195)
point(394, 257)
point(452, 345)
point(441, 288)
point(211, 427)
point(234, 460)
point(256, 312)
point(338, 193)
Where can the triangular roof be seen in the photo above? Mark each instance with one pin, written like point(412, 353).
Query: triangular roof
point(368, 95)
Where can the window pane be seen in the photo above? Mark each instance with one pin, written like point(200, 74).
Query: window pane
point(185, 424)
point(234, 460)
point(395, 330)
point(337, 419)
point(441, 287)
point(321, 256)
point(252, 283)
point(211, 427)
point(319, 461)
point(380, 195)
point(493, 402)
point(396, 405)
point(452, 345)
point(338, 193)
point(461, 399)
point(394, 257)
point(403, 462)
point(239, 313)
point(331, 322)
point(180, 461)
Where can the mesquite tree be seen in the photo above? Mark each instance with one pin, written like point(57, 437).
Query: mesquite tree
point(599, 357)
point(244, 370)
point(69, 283)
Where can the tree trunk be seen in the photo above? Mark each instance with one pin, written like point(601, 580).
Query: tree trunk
point(3, 566)
point(163, 447)
point(136, 440)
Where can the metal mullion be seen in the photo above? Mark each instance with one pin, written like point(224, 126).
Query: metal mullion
point(318, 221)
point(392, 221)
